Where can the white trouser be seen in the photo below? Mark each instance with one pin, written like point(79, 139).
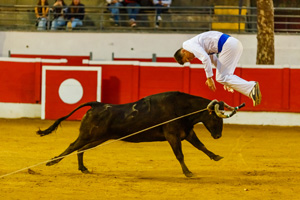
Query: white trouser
point(226, 64)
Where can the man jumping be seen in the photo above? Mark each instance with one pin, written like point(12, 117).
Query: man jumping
point(205, 47)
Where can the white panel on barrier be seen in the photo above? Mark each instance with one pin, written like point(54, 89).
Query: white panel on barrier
point(65, 88)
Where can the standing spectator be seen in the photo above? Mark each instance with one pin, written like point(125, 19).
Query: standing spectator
point(161, 6)
point(133, 10)
point(58, 13)
point(75, 14)
point(113, 6)
point(41, 13)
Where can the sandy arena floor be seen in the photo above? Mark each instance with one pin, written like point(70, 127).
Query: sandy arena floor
point(260, 162)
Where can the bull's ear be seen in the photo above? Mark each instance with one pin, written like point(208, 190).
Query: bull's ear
point(221, 105)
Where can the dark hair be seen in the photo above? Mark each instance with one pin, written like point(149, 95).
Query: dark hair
point(74, 8)
point(73, 4)
point(40, 7)
point(178, 56)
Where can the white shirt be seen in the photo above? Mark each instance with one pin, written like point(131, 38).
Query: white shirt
point(167, 2)
point(110, 1)
point(203, 44)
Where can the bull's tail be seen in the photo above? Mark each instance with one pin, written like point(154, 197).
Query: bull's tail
point(57, 122)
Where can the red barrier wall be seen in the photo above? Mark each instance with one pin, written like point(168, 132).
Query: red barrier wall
point(124, 82)
point(134, 59)
point(279, 86)
point(158, 59)
point(160, 80)
point(20, 79)
point(71, 60)
point(171, 59)
point(18, 82)
point(120, 83)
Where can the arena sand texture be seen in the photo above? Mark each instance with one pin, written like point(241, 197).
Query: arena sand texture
point(260, 162)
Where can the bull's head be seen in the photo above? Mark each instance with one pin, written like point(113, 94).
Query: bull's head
point(214, 105)
point(217, 113)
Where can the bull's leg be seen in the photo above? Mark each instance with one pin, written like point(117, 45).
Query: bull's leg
point(81, 166)
point(175, 143)
point(193, 139)
point(73, 147)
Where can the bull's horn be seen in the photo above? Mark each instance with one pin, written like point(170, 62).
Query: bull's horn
point(228, 107)
point(221, 114)
point(210, 106)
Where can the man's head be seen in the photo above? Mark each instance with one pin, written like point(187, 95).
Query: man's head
point(182, 56)
point(76, 2)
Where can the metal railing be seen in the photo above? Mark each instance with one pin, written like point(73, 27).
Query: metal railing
point(176, 19)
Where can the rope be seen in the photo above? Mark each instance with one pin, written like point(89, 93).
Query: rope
point(135, 133)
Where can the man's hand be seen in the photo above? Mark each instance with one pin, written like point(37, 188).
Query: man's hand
point(211, 84)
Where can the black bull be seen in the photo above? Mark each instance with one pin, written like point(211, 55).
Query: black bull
point(106, 121)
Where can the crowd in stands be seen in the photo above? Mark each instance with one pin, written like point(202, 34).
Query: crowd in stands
point(133, 9)
point(72, 16)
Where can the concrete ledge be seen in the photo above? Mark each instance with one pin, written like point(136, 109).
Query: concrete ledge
point(265, 118)
point(18, 110)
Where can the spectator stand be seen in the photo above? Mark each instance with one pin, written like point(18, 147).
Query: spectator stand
point(184, 18)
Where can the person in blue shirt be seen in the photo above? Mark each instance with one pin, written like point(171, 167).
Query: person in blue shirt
point(75, 14)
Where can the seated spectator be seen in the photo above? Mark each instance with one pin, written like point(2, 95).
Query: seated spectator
point(75, 14)
point(113, 6)
point(144, 12)
point(41, 13)
point(161, 6)
point(58, 13)
point(133, 9)
point(146, 3)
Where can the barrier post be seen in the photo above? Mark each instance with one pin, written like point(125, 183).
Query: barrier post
point(37, 80)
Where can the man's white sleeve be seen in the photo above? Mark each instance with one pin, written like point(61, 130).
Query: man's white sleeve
point(204, 57)
point(201, 54)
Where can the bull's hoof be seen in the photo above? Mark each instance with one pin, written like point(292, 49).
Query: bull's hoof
point(217, 158)
point(86, 171)
point(188, 174)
